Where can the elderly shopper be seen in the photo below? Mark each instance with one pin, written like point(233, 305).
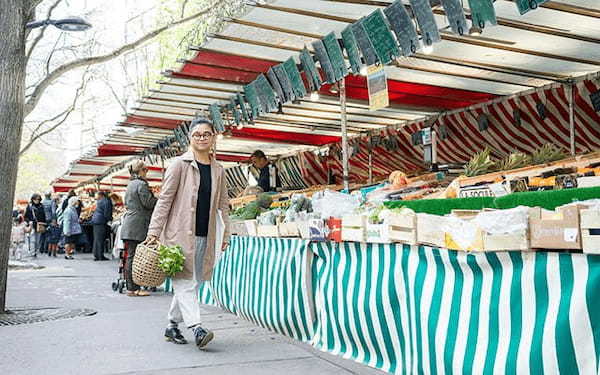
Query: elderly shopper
point(100, 219)
point(71, 227)
point(140, 203)
point(192, 205)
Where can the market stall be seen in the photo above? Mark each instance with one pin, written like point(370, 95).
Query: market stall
point(413, 309)
point(452, 229)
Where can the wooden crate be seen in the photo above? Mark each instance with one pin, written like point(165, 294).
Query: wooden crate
point(350, 234)
point(354, 228)
point(239, 228)
point(268, 231)
point(506, 242)
point(377, 233)
point(289, 230)
point(590, 231)
point(475, 245)
point(430, 230)
point(251, 227)
point(402, 228)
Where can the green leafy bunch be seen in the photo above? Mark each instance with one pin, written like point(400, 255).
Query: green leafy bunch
point(171, 259)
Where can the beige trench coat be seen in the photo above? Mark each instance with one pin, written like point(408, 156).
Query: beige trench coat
point(174, 217)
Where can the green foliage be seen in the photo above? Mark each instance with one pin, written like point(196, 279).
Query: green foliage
point(174, 44)
point(171, 259)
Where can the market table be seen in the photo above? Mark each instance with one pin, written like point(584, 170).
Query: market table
point(415, 309)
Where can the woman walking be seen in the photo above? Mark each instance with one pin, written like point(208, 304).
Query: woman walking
point(71, 227)
point(140, 203)
point(36, 217)
point(193, 196)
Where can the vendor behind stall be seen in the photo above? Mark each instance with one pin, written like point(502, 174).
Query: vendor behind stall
point(268, 178)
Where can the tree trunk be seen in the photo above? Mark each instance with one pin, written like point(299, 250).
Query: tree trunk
point(13, 18)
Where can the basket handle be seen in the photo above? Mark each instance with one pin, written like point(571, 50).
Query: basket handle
point(151, 241)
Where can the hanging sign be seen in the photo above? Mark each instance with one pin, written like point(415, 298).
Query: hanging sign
point(426, 134)
point(456, 16)
point(378, 90)
point(525, 6)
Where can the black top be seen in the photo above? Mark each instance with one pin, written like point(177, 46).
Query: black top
point(264, 180)
point(203, 203)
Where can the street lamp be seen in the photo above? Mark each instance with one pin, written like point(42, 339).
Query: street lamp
point(65, 24)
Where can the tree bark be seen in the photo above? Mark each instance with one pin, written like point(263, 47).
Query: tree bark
point(13, 17)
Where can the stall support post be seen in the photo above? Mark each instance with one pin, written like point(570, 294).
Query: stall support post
point(342, 84)
point(370, 161)
point(571, 94)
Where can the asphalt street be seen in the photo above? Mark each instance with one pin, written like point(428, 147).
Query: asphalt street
point(126, 334)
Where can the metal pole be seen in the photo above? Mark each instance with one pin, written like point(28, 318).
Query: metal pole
point(571, 93)
point(370, 161)
point(342, 84)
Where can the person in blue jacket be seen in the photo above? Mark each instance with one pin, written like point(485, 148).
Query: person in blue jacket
point(100, 219)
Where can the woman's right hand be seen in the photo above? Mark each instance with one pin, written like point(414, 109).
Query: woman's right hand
point(151, 237)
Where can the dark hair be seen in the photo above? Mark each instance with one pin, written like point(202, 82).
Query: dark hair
point(201, 121)
point(71, 193)
point(35, 196)
point(48, 195)
point(258, 154)
point(101, 193)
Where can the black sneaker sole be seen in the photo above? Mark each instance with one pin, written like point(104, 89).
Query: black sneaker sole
point(178, 342)
point(208, 338)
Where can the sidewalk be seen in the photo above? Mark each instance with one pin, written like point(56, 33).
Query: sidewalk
point(125, 336)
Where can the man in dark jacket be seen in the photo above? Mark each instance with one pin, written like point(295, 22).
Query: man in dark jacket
point(50, 213)
point(268, 179)
point(100, 219)
point(34, 215)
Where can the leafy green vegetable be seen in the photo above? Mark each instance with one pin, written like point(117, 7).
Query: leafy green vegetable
point(171, 259)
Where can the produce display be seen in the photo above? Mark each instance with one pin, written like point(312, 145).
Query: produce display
point(494, 205)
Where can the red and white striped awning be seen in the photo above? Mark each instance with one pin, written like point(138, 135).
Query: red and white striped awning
point(558, 41)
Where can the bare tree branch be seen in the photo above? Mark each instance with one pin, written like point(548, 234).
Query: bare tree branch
point(185, 2)
point(112, 90)
point(42, 31)
point(46, 82)
point(37, 133)
point(52, 53)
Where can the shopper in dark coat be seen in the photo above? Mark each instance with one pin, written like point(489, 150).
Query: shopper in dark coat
point(34, 215)
point(100, 219)
point(140, 203)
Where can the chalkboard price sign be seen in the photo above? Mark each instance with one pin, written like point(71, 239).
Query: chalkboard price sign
point(336, 56)
point(403, 27)
point(381, 37)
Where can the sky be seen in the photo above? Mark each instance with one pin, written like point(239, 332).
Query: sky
point(113, 24)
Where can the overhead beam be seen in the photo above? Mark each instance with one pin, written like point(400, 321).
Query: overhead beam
point(449, 37)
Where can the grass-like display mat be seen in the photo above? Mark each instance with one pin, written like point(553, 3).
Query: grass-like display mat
point(545, 199)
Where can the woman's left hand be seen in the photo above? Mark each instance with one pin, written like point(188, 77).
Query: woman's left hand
point(225, 245)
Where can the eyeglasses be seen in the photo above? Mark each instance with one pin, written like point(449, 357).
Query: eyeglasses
point(206, 135)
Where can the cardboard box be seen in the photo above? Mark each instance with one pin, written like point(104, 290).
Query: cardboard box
point(289, 230)
point(556, 230)
point(430, 230)
point(335, 229)
point(590, 231)
point(268, 231)
point(317, 230)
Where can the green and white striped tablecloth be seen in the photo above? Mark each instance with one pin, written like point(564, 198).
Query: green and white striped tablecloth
point(266, 281)
point(419, 310)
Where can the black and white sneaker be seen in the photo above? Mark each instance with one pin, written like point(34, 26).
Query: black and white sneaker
point(203, 336)
point(173, 334)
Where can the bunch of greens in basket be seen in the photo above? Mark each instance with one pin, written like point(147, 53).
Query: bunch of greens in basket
point(170, 259)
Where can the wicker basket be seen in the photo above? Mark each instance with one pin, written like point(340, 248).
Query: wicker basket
point(145, 265)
